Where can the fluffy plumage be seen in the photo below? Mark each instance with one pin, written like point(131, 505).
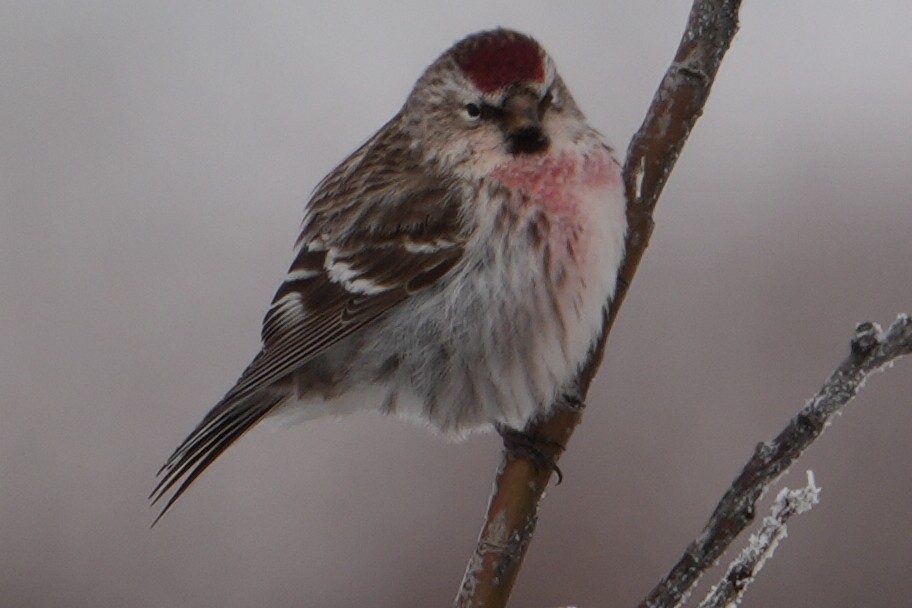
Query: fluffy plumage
point(452, 270)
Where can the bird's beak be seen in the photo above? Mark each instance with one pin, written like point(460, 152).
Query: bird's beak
point(522, 124)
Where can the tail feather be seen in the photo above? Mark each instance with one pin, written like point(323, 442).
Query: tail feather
point(221, 427)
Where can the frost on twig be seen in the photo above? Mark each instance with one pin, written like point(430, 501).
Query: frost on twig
point(761, 546)
point(871, 350)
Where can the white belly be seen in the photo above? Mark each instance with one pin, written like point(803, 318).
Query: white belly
point(503, 334)
point(508, 331)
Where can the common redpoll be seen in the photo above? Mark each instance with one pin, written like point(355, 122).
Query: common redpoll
point(453, 270)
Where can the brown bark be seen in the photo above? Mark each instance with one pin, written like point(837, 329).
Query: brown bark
point(871, 350)
point(675, 108)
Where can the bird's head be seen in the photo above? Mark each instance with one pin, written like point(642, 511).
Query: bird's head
point(493, 95)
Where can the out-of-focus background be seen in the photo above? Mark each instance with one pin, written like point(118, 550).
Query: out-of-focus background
point(154, 161)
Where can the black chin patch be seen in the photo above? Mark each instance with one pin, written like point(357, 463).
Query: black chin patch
point(528, 141)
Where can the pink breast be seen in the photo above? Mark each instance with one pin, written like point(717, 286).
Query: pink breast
point(556, 183)
point(567, 188)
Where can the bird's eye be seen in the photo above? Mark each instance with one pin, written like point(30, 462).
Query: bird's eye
point(472, 110)
point(547, 101)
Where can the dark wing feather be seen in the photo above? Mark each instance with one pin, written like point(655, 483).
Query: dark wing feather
point(218, 430)
point(376, 231)
point(362, 275)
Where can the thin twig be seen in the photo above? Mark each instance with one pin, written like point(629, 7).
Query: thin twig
point(761, 546)
point(519, 484)
point(871, 351)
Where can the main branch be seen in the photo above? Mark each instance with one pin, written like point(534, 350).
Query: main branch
point(675, 108)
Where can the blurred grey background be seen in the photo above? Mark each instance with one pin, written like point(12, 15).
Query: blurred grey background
point(154, 161)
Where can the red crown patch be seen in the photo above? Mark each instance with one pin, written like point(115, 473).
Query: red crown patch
point(498, 59)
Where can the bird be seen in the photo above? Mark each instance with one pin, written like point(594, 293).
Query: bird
point(454, 270)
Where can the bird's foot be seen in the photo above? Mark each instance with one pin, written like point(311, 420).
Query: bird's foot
point(572, 401)
point(531, 447)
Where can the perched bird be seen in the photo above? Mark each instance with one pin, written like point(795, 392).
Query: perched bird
point(453, 270)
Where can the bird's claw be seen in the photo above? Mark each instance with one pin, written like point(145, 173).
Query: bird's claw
point(530, 446)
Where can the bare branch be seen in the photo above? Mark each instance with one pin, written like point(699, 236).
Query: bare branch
point(675, 108)
point(871, 350)
point(761, 546)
